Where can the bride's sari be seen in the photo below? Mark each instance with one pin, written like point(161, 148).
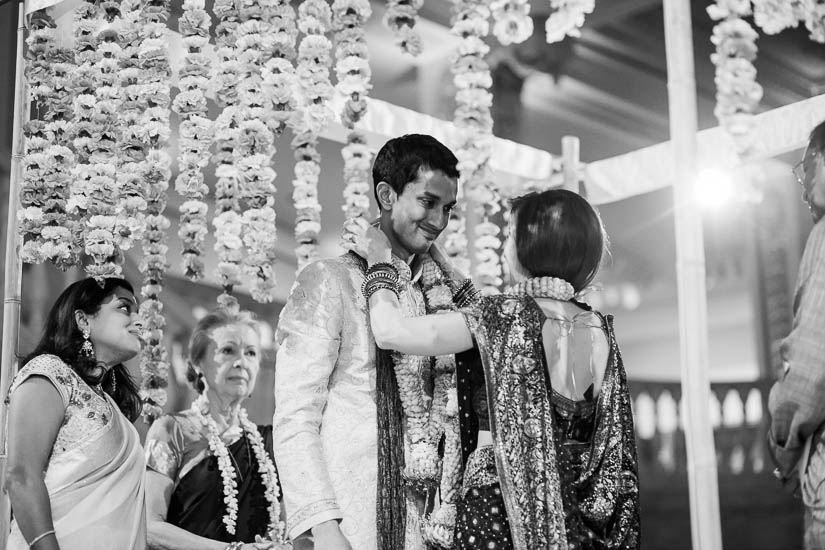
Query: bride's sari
point(96, 470)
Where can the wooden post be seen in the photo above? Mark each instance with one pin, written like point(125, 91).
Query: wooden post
point(570, 148)
point(690, 271)
point(14, 266)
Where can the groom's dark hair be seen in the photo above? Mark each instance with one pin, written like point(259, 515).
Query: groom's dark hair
point(401, 159)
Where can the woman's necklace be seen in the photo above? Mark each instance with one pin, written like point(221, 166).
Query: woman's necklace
point(266, 469)
point(544, 287)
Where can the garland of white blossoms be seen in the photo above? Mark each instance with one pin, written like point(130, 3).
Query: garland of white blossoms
point(312, 116)
point(266, 469)
point(46, 229)
point(401, 17)
point(255, 147)
point(153, 58)
point(278, 74)
point(227, 221)
point(471, 76)
point(195, 136)
point(774, 16)
point(567, 18)
point(439, 527)
point(353, 72)
point(737, 92)
point(513, 24)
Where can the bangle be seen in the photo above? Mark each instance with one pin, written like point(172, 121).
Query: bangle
point(234, 546)
point(40, 537)
point(466, 294)
point(375, 285)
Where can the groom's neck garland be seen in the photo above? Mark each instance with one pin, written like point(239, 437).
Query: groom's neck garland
point(266, 469)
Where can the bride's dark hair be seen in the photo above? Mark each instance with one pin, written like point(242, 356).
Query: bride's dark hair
point(62, 337)
point(558, 234)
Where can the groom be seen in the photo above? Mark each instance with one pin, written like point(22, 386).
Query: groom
point(336, 433)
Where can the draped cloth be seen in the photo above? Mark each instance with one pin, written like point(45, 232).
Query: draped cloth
point(508, 333)
point(94, 482)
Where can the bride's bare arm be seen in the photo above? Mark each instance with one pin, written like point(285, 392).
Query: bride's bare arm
point(439, 334)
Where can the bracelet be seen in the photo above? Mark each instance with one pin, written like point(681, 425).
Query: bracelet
point(384, 268)
point(234, 546)
point(466, 295)
point(375, 285)
point(40, 537)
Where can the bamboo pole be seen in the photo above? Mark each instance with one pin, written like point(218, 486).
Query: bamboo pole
point(14, 267)
point(570, 153)
point(690, 270)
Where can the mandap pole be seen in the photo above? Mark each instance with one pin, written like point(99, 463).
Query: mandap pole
point(690, 269)
point(11, 292)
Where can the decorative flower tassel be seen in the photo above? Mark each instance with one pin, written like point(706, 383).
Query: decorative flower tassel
point(353, 71)
point(513, 24)
point(737, 93)
point(195, 136)
point(400, 18)
point(567, 18)
point(153, 59)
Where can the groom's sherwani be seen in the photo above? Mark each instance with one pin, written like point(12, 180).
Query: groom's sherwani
point(324, 428)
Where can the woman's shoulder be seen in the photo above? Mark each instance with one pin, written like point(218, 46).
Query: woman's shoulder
point(52, 367)
point(47, 363)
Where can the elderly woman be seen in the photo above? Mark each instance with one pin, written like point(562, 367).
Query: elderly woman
point(546, 422)
point(70, 413)
point(211, 481)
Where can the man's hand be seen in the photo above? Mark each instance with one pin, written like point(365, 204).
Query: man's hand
point(328, 536)
point(369, 242)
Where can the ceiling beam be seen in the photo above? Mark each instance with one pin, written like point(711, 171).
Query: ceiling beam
point(607, 13)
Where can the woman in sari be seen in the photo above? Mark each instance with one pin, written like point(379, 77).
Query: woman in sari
point(547, 431)
point(211, 481)
point(75, 464)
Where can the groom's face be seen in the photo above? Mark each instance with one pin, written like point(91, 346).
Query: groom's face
point(421, 212)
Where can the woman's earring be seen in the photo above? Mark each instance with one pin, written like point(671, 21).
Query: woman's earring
point(87, 349)
point(114, 381)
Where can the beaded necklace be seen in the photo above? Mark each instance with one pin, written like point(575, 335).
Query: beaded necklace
point(266, 469)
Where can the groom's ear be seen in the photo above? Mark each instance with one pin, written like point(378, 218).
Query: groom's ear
point(386, 195)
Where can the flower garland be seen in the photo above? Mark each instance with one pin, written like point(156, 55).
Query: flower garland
point(439, 527)
point(815, 20)
point(46, 229)
point(313, 115)
point(472, 118)
point(195, 136)
point(544, 287)
point(737, 93)
point(227, 221)
point(153, 59)
point(278, 74)
point(513, 24)
point(401, 18)
point(353, 71)
point(567, 18)
point(266, 469)
point(774, 16)
point(255, 147)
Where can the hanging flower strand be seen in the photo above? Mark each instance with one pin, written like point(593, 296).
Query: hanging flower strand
point(227, 221)
point(195, 136)
point(353, 71)
point(567, 18)
point(312, 116)
point(278, 73)
point(153, 56)
point(401, 18)
point(737, 92)
point(513, 24)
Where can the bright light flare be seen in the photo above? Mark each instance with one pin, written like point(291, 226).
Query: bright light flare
point(714, 188)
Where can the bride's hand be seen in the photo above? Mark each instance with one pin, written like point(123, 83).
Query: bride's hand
point(439, 256)
point(367, 241)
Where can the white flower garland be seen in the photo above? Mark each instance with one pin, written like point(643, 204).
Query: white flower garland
point(195, 135)
point(266, 469)
point(312, 116)
point(774, 16)
point(567, 18)
point(472, 118)
point(401, 18)
point(278, 74)
point(354, 73)
point(154, 93)
point(513, 24)
point(737, 92)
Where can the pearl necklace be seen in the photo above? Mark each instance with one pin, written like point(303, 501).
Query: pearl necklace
point(266, 469)
point(544, 287)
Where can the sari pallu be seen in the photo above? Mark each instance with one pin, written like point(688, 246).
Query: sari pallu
point(542, 513)
point(96, 488)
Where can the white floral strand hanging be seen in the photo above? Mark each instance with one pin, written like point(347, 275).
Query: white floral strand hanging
point(512, 21)
point(737, 92)
point(774, 16)
point(255, 147)
point(312, 116)
point(153, 59)
point(401, 17)
point(353, 71)
point(195, 136)
point(278, 73)
point(567, 18)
